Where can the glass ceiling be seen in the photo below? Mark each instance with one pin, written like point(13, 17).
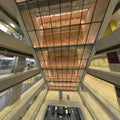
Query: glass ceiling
point(63, 33)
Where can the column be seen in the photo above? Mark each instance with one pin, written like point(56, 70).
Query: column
point(16, 90)
point(60, 95)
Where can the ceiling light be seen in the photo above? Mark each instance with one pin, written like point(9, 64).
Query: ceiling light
point(60, 116)
point(55, 107)
point(12, 25)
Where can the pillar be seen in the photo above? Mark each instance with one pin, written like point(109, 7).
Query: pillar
point(19, 64)
point(16, 90)
point(60, 95)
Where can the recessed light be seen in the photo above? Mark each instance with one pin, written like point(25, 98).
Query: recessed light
point(12, 25)
point(60, 116)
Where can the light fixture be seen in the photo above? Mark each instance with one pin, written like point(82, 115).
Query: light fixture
point(55, 107)
point(60, 116)
point(66, 111)
point(12, 25)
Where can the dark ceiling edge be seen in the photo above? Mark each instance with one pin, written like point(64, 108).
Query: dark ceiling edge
point(117, 7)
point(5, 50)
point(9, 15)
point(32, 4)
point(108, 49)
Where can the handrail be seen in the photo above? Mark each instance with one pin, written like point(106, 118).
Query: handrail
point(15, 79)
point(14, 45)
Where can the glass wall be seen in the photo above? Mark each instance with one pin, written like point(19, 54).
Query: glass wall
point(4, 98)
point(10, 64)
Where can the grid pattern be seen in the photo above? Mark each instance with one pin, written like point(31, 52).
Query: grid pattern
point(63, 33)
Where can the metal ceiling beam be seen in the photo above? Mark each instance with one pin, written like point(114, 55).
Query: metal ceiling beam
point(63, 90)
point(42, 3)
point(63, 47)
point(62, 68)
point(63, 81)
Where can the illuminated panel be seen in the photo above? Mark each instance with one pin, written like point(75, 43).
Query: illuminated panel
point(63, 34)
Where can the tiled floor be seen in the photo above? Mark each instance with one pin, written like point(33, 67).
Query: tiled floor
point(53, 98)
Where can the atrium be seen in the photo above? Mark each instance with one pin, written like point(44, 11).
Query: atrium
point(60, 60)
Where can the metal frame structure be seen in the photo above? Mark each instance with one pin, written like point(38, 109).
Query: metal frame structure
point(63, 36)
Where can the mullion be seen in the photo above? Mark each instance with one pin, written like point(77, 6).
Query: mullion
point(36, 36)
point(61, 39)
point(97, 35)
point(62, 81)
point(62, 68)
point(33, 25)
point(69, 84)
point(63, 90)
point(66, 12)
point(43, 30)
point(40, 2)
point(78, 34)
point(64, 46)
point(69, 37)
point(55, 78)
point(67, 25)
point(87, 35)
point(61, 87)
point(52, 36)
point(34, 29)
